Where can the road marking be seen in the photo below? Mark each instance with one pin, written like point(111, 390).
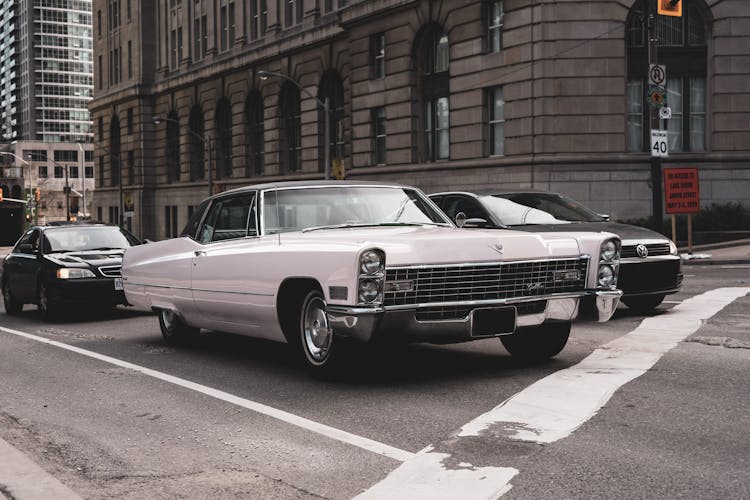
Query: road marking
point(550, 409)
point(289, 418)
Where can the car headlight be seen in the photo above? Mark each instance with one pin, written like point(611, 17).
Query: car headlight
point(609, 251)
point(606, 276)
point(371, 262)
point(672, 248)
point(369, 290)
point(66, 273)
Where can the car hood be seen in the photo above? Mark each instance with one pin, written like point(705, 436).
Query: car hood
point(411, 245)
point(626, 232)
point(94, 258)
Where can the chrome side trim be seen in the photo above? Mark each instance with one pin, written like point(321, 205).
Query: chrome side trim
point(136, 283)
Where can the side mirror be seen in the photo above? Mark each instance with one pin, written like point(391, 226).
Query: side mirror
point(604, 216)
point(146, 240)
point(475, 222)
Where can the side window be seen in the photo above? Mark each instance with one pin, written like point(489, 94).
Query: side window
point(191, 228)
point(228, 219)
point(30, 238)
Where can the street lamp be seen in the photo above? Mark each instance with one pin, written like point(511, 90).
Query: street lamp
point(206, 146)
point(28, 165)
point(325, 104)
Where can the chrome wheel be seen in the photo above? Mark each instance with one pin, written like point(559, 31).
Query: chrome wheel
point(317, 336)
point(173, 329)
point(167, 319)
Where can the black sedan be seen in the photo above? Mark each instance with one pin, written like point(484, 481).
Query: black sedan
point(61, 265)
point(650, 267)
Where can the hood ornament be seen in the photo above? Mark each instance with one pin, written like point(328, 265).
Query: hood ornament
point(497, 247)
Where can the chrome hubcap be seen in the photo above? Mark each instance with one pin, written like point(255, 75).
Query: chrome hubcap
point(167, 318)
point(317, 333)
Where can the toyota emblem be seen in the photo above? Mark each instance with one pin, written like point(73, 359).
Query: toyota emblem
point(642, 251)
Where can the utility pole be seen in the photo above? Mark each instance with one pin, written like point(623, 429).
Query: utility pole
point(67, 195)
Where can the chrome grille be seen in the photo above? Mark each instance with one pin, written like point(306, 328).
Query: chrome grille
point(443, 313)
point(111, 271)
point(654, 249)
point(492, 281)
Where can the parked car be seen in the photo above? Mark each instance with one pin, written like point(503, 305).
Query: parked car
point(650, 266)
point(65, 264)
point(323, 265)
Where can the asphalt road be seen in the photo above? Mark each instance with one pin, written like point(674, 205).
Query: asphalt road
point(232, 417)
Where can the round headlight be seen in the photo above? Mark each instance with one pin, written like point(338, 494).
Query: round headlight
point(371, 262)
point(606, 276)
point(609, 250)
point(369, 290)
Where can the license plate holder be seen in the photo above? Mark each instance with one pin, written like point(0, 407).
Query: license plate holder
point(491, 321)
point(118, 284)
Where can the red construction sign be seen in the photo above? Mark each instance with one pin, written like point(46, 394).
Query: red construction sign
point(681, 193)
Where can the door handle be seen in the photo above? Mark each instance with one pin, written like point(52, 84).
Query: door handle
point(198, 253)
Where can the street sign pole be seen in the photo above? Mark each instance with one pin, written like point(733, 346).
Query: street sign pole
point(657, 207)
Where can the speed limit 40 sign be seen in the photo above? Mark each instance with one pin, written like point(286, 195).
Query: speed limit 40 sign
point(659, 144)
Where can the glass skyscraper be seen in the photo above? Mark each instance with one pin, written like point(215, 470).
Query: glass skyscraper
point(46, 70)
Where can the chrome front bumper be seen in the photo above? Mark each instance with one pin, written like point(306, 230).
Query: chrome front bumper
point(365, 323)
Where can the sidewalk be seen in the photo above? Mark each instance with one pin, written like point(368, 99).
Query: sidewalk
point(22, 479)
point(728, 252)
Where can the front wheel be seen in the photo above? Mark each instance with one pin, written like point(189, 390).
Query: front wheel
point(538, 343)
point(12, 306)
point(173, 329)
point(644, 304)
point(47, 308)
point(322, 352)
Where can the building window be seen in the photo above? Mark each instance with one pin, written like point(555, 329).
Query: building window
point(130, 59)
point(173, 147)
point(99, 23)
point(173, 49)
point(223, 139)
point(496, 120)
point(197, 144)
point(43, 172)
point(100, 182)
point(494, 19)
point(259, 18)
point(88, 156)
point(59, 174)
point(682, 46)
point(377, 56)
point(332, 88)
point(255, 131)
point(73, 172)
point(115, 161)
point(434, 112)
point(224, 28)
point(130, 120)
point(378, 136)
point(293, 8)
point(131, 168)
point(291, 133)
point(88, 172)
point(170, 219)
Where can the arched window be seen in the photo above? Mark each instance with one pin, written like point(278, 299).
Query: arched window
point(197, 145)
point(682, 47)
point(223, 138)
point(115, 158)
point(291, 130)
point(332, 88)
point(432, 62)
point(173, 147)
point(17, 192)
point(254, 130)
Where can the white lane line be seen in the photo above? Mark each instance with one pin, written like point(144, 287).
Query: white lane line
point(289, 418)
point(550, 409)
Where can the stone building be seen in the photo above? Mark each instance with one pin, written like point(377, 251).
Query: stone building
point(442, 94)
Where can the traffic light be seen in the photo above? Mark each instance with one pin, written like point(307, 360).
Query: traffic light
point(669, 7)
point(1, 195)
point(37, 194)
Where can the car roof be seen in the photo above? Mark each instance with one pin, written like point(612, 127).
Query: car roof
point(78, 224)
point(495, 191)
point(312, 183)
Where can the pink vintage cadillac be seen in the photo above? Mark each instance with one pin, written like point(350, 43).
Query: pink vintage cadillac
point(323, 265)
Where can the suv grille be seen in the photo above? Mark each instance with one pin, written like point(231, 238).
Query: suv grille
point(654, 249)
point(485, 281)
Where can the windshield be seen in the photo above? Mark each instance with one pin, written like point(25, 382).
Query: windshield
point(77, 239)
point(550, 209)
point(345, 206)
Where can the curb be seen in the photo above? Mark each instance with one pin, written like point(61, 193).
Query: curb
point(709, 262)
point(22, 479)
